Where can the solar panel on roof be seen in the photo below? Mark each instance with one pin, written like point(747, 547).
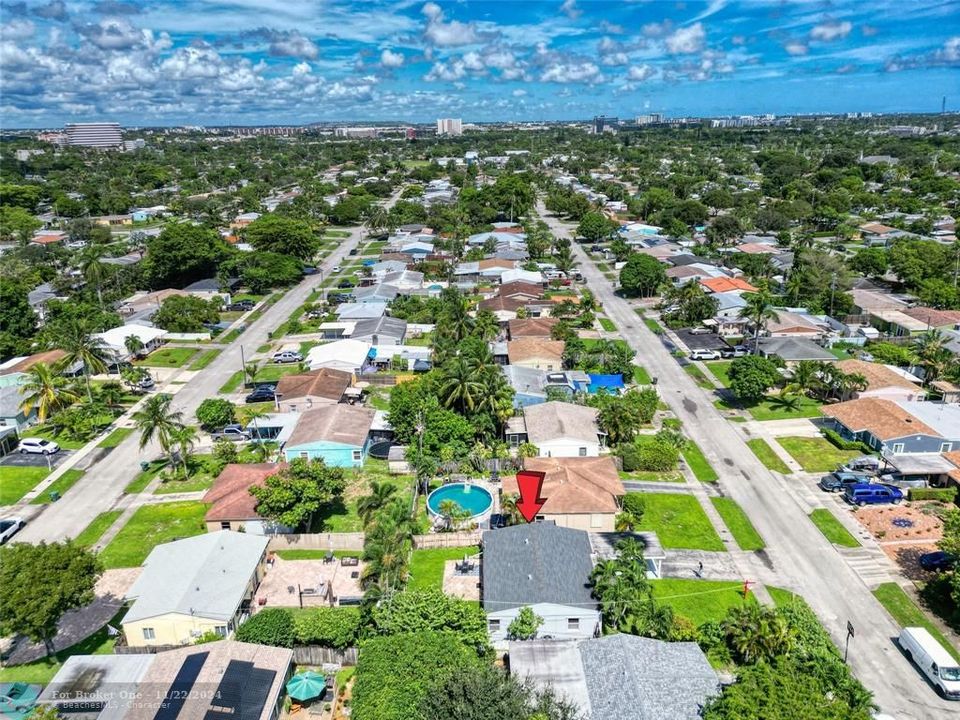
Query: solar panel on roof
point(243, 692)
point(181, 686)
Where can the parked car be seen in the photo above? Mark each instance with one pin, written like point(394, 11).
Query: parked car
point(241, 306)
point(734, 352)
point(345, 284)
point(838, 481)
point(146, 383)
point(354, 251)
point(934, 661)
point(262, 393)
point(287, 356)
point(231, 432)
point(336, 269)
point(10, 527)
point(38, 446)
point(702, 354)
point(872, 494)
point(868, 464)
point(700, 331)
point(938, 561)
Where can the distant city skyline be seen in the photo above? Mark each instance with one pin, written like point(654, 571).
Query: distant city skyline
point(235, 62)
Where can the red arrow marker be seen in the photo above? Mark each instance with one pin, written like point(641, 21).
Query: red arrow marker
point(530, 483)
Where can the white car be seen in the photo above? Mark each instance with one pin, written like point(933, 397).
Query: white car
point(700, 331)
point(10, 527)
point(336, 269)
point(38, 446)
point(287, 356)
point(704, 355)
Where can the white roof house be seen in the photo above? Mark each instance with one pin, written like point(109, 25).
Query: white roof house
point(521, 275)
point(115, 338)
point(347, 355)
point(204, 576)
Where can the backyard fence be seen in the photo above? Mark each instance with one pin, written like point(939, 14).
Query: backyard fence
point(316, 655)
point(316, 541)
point(445, 540)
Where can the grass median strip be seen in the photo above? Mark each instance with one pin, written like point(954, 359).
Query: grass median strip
point(832, 529)
point(97, 527)
point(59, 486)
point(698, 463)
point(116, 437)
point(233, 384)
point(766, 454)
point(908, 614)
point(206, 357)
point(738, 524)
point(608, 325)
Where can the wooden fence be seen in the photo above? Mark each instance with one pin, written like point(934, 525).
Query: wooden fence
point(446, 540)
point(316, 655)
point(316, 541)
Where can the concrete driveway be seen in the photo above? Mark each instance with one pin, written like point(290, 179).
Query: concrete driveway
point(16, 459)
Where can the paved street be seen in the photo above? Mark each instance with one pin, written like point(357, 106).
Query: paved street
point(101, 488)
point(797, 556)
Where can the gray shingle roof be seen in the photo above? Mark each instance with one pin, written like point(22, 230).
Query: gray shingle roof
point(536, 563)
point(205, 575)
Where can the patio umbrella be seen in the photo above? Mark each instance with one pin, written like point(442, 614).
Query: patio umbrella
point(306, 685)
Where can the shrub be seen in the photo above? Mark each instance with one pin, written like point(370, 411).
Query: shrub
point(655, 455)
point(834, 438)
point(525, 625)
point(424, 610)
point(634, 504)
point(944, 495)
point(335, 627)
point(215, 413)
point(273, 626)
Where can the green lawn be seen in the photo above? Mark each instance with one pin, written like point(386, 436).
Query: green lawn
point(205, 358)
point(761, 448)
point(342, 517)
point(200, 481)
point(738, 523)
point(782, 597)
point(316, 554)
point(60, 485)
point(652, 476)
point(679, 522)
point(608, 324)
point(907, 614)
point(770, 409)
point(721, 371)
point(233, 384)
point(274, 371)
point(41, 431)
point(265, 348)
point(97, 527)
point(15, 482)
point(654, 326)
point(41, 672)
point(116, 437)
point(140, 482)
point(816, 454)
point(832, 529)
point(641, 376)
point(698, 376)
point(698, 463)
point(426, 566)
point(152, 525)
point(168, 357)
point(699, 600)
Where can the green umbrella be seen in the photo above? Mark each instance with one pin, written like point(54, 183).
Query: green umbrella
point(306, 685)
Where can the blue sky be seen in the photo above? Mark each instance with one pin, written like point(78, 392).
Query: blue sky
point(210, 62)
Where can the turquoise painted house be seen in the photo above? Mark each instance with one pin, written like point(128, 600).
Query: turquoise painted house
point(337, 434)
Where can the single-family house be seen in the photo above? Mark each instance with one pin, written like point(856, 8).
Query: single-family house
point(898, 427)
point(378, 270)
point(726, 284)
point(11, 410)
point(48, 237)
point(788, 323)
point(557, 429)
point(521, 275)
point(202, 584)
point(580, 492)
point(374, 293)
point(619, 676)
point(417, 250)
point(933, 318)
point(40, 296)
point(540, 327)
point(380, 331)
point(14, 371)
point(325, 386)
point(536, 353)
point(518, 289)
point(544, 567)
point(348, 355)
point(232, 507)
point(875, 233)
point(115, 340)
point(361, 310)
point(866, 300)
point(884, 381)
point(405, 281)
point(213, 289)
point(410, 357)
point(337, 434)
point(793, 349)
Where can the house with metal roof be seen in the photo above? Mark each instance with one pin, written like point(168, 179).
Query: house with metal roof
point(542, 566)
point(349, 355)
point(793, 349)
point(620, 677)
point(374, 293)
point(380, 331)
point(202, 584)
point(361, 310)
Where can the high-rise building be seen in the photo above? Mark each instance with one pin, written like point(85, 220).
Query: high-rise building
point(650, 119)
point(605, 123)
point(449, 126)
point(98, 135)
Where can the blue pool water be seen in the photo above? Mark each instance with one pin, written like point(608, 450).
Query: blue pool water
point(470, 497)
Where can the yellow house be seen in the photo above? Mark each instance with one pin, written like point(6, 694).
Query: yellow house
point(194, 586)
point(537, 353)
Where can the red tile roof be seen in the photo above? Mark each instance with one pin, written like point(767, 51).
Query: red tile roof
point(230, 497)
point(724, 284)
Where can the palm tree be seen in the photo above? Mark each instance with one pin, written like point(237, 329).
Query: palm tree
point(757, 633)
point(381, 493)
point(250, 415)
point(82, 347)
point(930, 348)
point(805, 379)
point(759, 309)
point(460, 385)
point(183, 438)
point(111, 394)
point(133, 344)
point(156, 419)
point(94, 270)
point(508, 507)
point(44, 390)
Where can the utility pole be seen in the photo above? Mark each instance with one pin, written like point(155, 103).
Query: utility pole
point(833, 287)
point(850, 634)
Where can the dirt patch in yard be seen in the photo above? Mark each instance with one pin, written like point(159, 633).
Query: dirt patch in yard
point(901, 523)
point(907, 558)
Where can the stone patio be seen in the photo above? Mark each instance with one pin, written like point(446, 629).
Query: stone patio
point(459, 585)
point(308, 575)
point(78, 625)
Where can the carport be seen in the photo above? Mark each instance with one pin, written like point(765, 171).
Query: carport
point(932, 467)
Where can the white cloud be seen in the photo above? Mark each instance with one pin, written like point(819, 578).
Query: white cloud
point(612, 28)
point(615, 59)
point(639, 73)
point(447, 34)
point(831, 30)
point(572, 72)
point(570, 9)
point(390, 59)
point(655, 30)
point(291, 43)
point(447, 72)
point(519, 92)
point(687, 40)
point(112, 34)
point(795, 47)
point(17, 29)
point(301, 69)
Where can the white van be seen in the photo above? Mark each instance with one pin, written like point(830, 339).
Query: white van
point(935, 662)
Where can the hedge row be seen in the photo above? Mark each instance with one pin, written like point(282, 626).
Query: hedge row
point(834, 437)
point(946, 495)
point(336, 627)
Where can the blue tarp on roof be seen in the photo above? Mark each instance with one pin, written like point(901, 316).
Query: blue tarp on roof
point(607, 382)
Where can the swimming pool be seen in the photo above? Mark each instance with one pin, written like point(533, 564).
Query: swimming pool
point(467, 495)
